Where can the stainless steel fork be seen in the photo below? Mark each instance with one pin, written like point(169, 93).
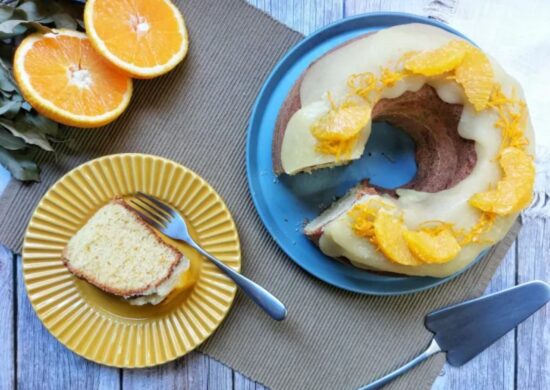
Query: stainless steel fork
point(170, 223)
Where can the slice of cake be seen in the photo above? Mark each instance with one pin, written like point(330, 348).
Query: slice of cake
point(121, 254)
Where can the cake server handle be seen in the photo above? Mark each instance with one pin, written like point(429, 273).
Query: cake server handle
point(432, 349)
point(263, 298)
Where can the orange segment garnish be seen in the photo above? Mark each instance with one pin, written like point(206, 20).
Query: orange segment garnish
point(363, 216)
point(145, 38)
point(475, 74)
point(389, 232)
point(338, 130)
point(378, 222)
point(515, 190)
point(438, 61)
point(63, 78)
point(433, 246)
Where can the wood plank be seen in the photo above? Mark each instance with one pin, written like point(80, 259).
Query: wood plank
point(220, 377)
point(354, 7)
point(533, 335)
point(7, 314)
point(304, 16)
point(43, 363)
point(241, 382)
point(189, 372)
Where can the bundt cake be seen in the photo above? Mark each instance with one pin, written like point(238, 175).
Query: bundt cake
point(474, 148)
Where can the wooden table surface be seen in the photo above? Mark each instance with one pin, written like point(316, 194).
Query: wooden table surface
point(32, 359)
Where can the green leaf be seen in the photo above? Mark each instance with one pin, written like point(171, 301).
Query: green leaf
point(10, 108)
point(11, 142)
point(6, 83)
point(20, 165)
point(6, 12)
point(43, 124)
point(12, 28)
point(64, 20)
point(34, 10)
point(23, 129)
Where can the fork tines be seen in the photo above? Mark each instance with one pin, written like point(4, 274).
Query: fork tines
point(152, 210)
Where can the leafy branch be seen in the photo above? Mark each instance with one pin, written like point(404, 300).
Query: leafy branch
point(23, 131)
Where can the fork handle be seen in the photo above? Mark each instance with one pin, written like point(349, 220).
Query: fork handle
point(257, 293)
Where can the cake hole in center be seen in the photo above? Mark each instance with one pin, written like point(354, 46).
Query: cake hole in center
point(387, 162)
point(389, 158)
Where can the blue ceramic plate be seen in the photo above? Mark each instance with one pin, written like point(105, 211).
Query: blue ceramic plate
point(285, 203)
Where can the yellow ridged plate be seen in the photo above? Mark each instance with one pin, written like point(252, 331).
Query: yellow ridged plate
point(100, 326)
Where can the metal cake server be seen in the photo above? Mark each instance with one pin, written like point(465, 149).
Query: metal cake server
point(466, 329)
point(170, 223)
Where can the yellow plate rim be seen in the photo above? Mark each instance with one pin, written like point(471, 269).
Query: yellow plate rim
point(154, 160)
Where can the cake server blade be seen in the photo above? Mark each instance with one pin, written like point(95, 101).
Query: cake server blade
point(466, 329)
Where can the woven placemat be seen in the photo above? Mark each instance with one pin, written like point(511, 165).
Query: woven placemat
point(197, 115)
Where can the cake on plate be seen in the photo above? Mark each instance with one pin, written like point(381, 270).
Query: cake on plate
point(474, 148)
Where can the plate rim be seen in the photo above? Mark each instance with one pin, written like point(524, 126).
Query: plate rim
point(251, 133)
point(164, 160)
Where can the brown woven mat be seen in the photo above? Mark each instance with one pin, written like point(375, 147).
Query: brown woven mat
point(197, 115)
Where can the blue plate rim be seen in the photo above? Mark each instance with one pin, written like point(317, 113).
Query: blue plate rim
point(257, 106)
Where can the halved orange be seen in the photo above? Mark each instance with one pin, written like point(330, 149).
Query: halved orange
point(62, 77)
point(144, 38)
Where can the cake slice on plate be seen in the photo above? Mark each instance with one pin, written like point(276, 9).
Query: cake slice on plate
point(121, 254)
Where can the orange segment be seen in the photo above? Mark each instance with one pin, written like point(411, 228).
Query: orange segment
point(63, 78)
point(389, 234)
point(145, 38)
point(438, 61)
point(433, 246)
point(338, 130)
point(475, 74)
point(363, 216)
point(515, 190)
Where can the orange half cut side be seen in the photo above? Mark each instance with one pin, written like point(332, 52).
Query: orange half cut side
point(63, 78)
point(144, 38)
